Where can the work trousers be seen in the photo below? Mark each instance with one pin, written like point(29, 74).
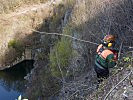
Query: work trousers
point(101, 73)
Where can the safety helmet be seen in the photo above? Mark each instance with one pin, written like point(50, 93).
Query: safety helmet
point(109, 40)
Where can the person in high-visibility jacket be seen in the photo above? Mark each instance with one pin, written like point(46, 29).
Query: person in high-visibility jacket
point(106, 57)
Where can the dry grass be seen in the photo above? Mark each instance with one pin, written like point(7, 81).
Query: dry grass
point(10, 5)
point(19, 27)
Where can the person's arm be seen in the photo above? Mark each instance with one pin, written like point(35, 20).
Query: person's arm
point(111, 61)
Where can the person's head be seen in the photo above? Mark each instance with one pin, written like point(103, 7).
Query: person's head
point(109, 41)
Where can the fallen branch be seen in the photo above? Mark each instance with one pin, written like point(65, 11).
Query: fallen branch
point(73, 94)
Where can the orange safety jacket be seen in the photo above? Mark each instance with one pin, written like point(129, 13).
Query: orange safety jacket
point(103, 53)
point(105, 57)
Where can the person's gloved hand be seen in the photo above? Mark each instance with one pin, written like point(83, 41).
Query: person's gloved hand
point(115, 52)
point(115, 56)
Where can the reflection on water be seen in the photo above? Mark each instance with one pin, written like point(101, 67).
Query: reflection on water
point(12, 82)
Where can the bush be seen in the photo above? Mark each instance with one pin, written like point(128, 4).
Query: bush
point(59, 57)
point(17, 45)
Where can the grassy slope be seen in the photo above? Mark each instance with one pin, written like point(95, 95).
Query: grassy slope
point(10, 5)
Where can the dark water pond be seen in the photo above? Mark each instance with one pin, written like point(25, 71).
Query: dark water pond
point(12, 82)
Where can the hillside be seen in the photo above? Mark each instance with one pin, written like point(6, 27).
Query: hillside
point(64, 35)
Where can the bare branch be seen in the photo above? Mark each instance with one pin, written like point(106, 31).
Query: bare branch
point(120, 50)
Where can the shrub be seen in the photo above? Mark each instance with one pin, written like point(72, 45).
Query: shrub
point(17, 45)
point(59, 57)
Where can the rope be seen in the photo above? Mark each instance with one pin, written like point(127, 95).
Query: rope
point(66, 36)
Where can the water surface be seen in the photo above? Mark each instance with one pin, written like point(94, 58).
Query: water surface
point(12, 82)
